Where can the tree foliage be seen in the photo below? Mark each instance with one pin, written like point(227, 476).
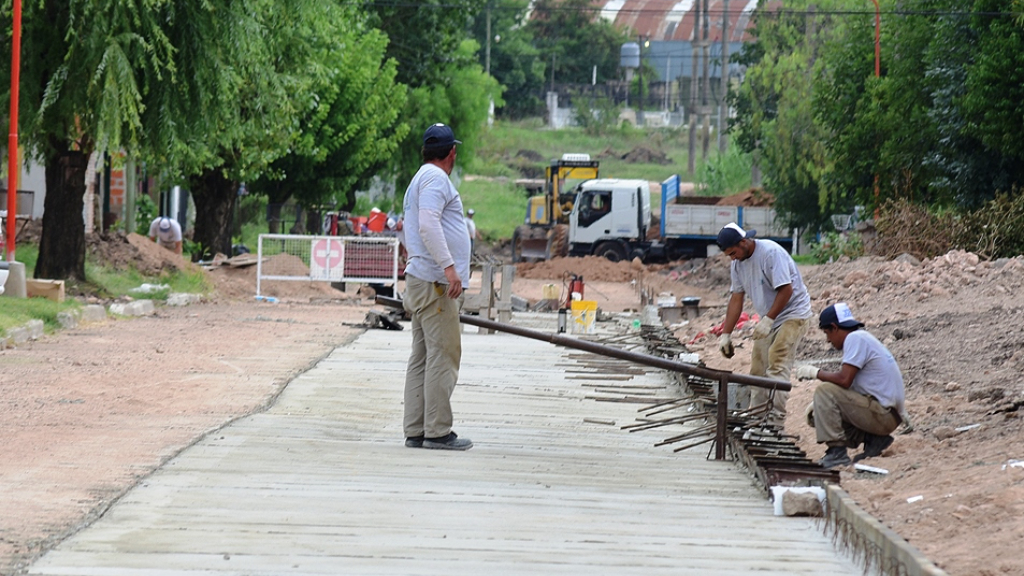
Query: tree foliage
point(351, 128)
point(86, 68)
point(940, 126)
point(569, 34)
point(516, 63)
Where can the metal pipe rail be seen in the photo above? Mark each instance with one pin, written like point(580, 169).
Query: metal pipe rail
point(724, 378)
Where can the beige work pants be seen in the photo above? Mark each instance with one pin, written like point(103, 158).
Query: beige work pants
point(773, 357)
point(840, 416)
point(433, 366)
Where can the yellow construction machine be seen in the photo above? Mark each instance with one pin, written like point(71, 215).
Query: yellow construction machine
point(545, 232)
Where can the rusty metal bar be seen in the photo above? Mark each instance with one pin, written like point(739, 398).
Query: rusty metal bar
point(723, 406)
point(645, 359)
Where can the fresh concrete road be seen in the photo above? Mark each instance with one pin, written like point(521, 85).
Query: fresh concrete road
point(322, 484)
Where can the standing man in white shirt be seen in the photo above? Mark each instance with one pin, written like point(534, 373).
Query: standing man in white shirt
point(435, 277)
point(765, 271)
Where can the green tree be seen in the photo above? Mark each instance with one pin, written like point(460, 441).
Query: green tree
point(569, 34)
point(994, 100)
point(439, 67)
point(351, 130)
point(246, 73)
point(775, 119)
point(86, 66)
point(461, 99)
point(515, 62)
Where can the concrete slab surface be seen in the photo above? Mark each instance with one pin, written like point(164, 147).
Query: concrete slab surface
point(322, 483)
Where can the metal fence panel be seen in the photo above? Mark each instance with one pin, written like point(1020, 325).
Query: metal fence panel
point(292, 257)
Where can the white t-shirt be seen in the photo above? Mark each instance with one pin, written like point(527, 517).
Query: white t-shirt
point(768, 269)
point(878, 374)
point(435, 230)
point(167, 238)
point(471, 228)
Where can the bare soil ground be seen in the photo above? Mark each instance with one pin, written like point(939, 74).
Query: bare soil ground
point(88, 412)
point(956, 326)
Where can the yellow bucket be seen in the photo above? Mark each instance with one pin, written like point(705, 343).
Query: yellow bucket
point(550, 292)
point(584, 314)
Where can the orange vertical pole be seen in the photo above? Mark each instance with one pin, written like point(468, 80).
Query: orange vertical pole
point(878, 72)
point(12, 139)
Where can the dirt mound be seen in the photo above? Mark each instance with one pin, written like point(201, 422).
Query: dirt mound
point(750, 197)
point(641, 155)
point(120, 251)
point(592, 268)
point(955, 325)
point(240, 283)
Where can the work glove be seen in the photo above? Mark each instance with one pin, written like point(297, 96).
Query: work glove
point(763, 328)
point(806, 372)
point(725, 345)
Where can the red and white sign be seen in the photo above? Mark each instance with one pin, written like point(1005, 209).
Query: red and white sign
point(325, 260)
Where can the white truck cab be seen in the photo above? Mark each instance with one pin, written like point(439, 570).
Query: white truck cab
point(609, 215)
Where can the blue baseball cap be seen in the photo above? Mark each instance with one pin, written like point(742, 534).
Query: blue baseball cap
point(439, 136)
point(731, 234)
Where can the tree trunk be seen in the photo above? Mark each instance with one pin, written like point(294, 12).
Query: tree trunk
point(215, 198)
point(62, 244)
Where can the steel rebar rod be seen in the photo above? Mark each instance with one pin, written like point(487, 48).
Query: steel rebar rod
point(645, 359)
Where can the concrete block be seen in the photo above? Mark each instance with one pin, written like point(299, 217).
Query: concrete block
point(136, 308)
point(183, 298)
point(36, 329)
point(69, 318)
point(18, 335)
point(94, 313)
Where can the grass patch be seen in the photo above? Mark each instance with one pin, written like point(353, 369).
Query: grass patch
point(501, 144)
point(109, 283)
point(15, 312)
point(500, 206)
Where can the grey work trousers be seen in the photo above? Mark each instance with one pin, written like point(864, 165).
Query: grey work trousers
point(840, 416)
point(433, 366)
point(772, 357)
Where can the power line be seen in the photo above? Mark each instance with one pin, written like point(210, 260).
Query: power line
point(718, 12)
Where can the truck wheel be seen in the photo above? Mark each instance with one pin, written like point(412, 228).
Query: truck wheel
point(611, 250)
point(517, 247)
point(559, 246)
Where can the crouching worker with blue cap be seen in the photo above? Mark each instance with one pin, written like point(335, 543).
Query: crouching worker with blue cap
point(861, 403)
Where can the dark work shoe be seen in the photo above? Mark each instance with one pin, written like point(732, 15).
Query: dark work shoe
point(449, 442)
point(835, 456)
point(414, 442)
point(874, 446)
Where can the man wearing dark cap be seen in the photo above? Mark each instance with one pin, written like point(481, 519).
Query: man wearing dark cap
point(436, 273)
point(863, 401)
point(764, 270)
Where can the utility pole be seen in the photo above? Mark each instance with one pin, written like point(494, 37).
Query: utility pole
point(692, 156)
point(705, 108)
point(723, 104)
point(487, 50)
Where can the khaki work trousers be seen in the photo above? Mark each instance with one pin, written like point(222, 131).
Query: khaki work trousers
point(773, 357)
point(840, 416)
point(433, 366)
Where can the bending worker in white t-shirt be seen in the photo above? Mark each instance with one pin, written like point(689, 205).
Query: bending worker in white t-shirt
point(764, 271)
point(863, 401)
point(167, 233)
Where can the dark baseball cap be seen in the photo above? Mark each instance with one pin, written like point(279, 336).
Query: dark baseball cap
point(731, 234)
point(840, 315)
point(439, 136)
